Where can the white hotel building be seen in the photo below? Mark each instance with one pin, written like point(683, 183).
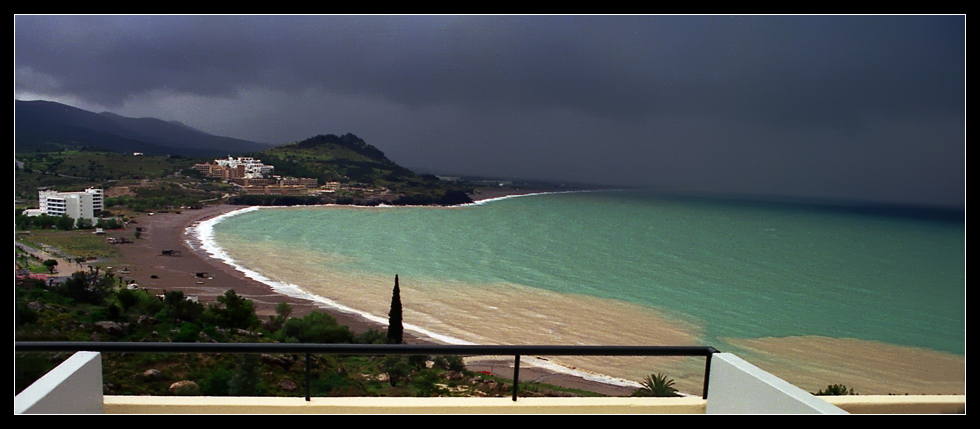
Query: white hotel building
point(253, 168)
point(76, 205)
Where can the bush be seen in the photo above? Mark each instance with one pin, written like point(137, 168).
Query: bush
point(127, 298)
point(316, 327)
point(217, 383)
point(372, 336)
point(188, 333)
point(656, 385)
point(836, 390)
point(450, 362)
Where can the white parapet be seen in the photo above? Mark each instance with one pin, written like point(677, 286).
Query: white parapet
point(738, 387)
point(74, 387)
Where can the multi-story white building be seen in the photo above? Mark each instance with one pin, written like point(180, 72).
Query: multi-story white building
point(253, 168)
point(76, 205)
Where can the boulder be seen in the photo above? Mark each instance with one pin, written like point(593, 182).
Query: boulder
point(185, 387)
point(287, 385)
point(112, 328)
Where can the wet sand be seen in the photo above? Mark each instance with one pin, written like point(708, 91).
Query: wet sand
point(870, 368)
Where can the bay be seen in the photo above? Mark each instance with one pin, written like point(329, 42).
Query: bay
point(711, 272)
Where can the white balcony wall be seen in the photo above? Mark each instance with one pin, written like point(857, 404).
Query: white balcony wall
point(738, 387)
point(74, 387)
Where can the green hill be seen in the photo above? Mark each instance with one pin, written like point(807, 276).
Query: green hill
point(331, 158)
point(350, 160)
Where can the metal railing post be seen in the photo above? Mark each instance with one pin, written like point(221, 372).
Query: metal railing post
point(517, 370)
point(376, 349)
point(707, 371)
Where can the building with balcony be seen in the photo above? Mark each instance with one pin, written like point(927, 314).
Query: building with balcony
point(76, 205)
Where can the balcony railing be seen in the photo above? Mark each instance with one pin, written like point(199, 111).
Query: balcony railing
point(377, 349)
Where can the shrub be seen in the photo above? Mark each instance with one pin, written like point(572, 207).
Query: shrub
point(316, 327)
point(372, 336)
point(656, 385)
point(836, 390)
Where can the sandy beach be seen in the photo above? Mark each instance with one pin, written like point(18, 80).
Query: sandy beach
point(809, 362)
point(198, 275)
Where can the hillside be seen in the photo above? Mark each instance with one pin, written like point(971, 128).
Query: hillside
point(350, 160)
point(46, 125)
point(330, 157)
point(58, 144)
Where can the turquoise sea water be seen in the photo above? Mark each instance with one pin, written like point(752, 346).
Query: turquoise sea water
point(740, 269)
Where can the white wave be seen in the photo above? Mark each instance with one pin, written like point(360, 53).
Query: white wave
point(201, 236)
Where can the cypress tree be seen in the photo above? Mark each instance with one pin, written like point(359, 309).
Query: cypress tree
point(395, 316)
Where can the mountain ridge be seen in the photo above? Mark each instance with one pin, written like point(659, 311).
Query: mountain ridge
point(48, 125)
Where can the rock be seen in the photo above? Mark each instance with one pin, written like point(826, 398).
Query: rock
point(152, 374)
point(185, 387)
point(113, 328)
point(287, 385)
point(276, 360)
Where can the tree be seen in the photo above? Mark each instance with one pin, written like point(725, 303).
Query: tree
point(236, 311)
point(397, 369)
point(50, 263)
point(395, 328)
point(283, 311)
point(178, 308)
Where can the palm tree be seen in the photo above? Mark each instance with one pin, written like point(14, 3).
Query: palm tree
point(657, 385)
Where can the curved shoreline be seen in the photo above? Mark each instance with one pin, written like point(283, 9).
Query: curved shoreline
point(163, 230)
point(157, 273)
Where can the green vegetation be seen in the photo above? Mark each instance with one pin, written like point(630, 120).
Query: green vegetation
point(91, 306)
point(78, 245)
point(836, 389)
point(349, 160)
point(656, 385)
point(395, 328)
point(99, 306)
point(138, 184)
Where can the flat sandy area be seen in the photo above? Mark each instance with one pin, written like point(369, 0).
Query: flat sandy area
point(157, 272)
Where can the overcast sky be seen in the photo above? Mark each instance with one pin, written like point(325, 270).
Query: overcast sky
point(868, 108)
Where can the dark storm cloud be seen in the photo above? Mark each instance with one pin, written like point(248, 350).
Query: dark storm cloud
point(743, 103)
point(770, 67)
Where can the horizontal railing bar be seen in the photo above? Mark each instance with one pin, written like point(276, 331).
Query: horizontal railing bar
point(373, 349)
point(367, 349)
